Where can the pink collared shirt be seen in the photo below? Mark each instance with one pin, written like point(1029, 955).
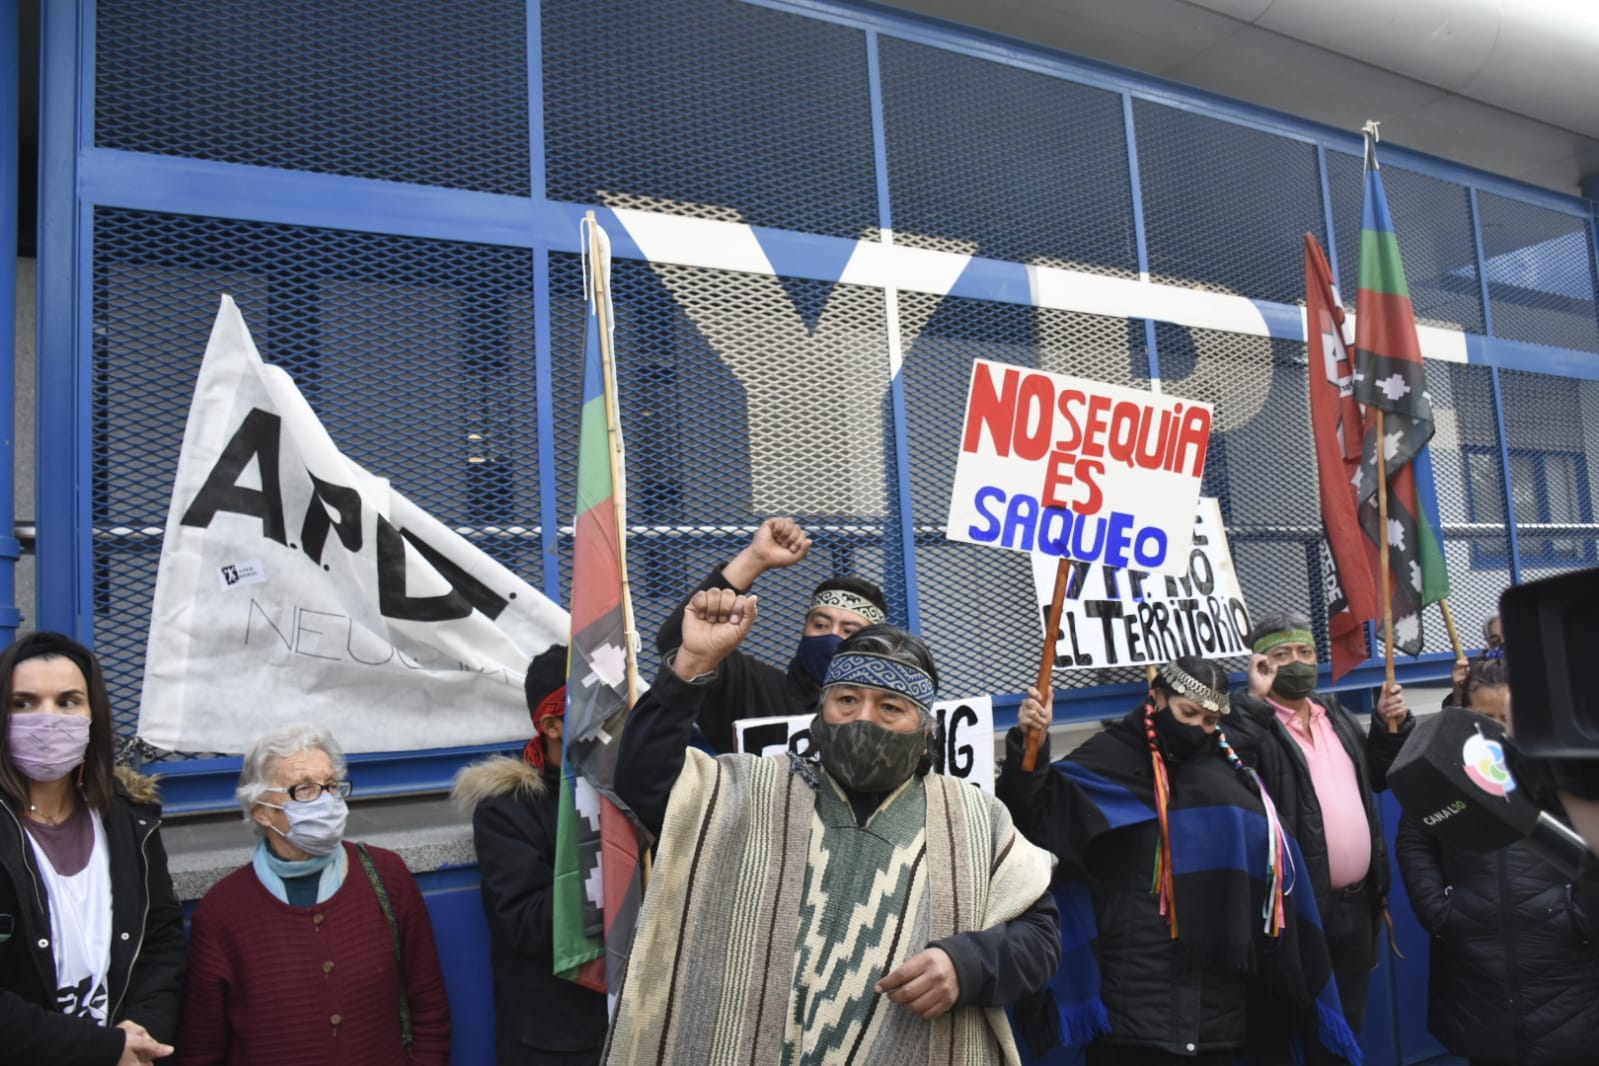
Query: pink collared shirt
point(1343, 809)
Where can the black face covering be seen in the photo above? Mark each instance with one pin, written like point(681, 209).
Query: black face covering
point(864, 756)
point(1180, 740)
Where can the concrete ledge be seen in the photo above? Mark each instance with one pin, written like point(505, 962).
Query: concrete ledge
point(426, 831)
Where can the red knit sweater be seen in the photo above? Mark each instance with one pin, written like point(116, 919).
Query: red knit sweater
point(271, 983)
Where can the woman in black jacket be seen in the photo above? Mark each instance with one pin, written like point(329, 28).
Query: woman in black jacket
point(541, 1019)
point(91, 935)
point(1190, 878)
point(1515, 969)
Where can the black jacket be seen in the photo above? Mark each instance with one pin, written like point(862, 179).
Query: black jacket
point(996, 966)
point(1154, 997)
point(1283, 768)
point(514, 809)
point(743, 687)
point(148, 950)
point(1515, 969)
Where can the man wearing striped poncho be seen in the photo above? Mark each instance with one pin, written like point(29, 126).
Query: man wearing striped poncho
point(854, 909)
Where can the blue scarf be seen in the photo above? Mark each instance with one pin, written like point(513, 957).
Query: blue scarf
point(1212, 845)
point(272, 871)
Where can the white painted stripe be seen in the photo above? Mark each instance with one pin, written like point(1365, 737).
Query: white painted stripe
point(699, 242)
point(895, 266)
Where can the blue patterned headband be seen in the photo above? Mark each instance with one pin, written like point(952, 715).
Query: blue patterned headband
point(869, 670)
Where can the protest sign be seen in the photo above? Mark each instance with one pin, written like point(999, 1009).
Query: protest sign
point(1115, 617)
point(294, 585)
point(968, 737)
point(1066, 467)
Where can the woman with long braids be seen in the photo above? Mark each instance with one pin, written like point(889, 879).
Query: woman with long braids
point(1176, 879)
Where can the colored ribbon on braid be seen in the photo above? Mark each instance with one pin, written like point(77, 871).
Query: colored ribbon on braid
point(1279, 866)
point(1164, 883)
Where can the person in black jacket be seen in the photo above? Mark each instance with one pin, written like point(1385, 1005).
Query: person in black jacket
point(1166, 823)
point(839, 606)
point(1324, 771)
point(91, 935)
point(541, 1019)
point(1515, 969)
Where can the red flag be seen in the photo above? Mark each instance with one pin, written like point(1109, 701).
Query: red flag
point(1350, 584)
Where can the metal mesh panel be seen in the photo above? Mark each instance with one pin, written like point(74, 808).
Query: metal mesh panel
point(1470, 479)
point(735, 410)
point(1552, 429)
point(417, 355)
point(976, 601)
point(1226, 207)
point(1432, 219)
point(1261, 464)
point(1005, 163)
point(709, 108)
point(1540, 273)
point(435, 94)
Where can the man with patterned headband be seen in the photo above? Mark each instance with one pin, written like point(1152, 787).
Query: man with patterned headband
point(853, 907)
point(839, 606)
point(1324, 781)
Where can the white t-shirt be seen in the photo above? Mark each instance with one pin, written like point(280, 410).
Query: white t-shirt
point(80, 929)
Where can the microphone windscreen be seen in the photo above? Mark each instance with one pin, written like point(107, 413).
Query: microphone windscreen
point(1453, 777)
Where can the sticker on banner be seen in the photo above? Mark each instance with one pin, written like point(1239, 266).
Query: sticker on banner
point(233, 575)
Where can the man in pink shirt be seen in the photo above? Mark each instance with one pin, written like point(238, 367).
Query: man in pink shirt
point(1323, 770)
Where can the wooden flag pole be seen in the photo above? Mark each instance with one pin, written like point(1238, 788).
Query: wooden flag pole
point(1449, 624)
point(1384, 577)
point(1046, 667)
point(601, 295)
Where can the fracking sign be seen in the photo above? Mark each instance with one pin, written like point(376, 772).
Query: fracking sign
point(967, 729)
point(1130, 617)
point(295, 585)
point(1065, 467)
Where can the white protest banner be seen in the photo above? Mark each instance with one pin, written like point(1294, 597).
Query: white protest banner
point(968, 737)
point(1131, 617)
point(294, 585)
point(1063, 466)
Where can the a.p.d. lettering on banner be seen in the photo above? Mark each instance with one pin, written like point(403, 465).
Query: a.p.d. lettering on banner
point(1065, 467)
point(967, 731)
point(1114, 617)
point(295, 585)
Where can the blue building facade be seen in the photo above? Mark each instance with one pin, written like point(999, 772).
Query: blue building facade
point(821, 214)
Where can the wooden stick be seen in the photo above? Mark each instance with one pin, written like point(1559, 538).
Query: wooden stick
point(602, 306)
point(1449, 624)
point(1384, 575)
point(1046, 667)
point(1151, 671)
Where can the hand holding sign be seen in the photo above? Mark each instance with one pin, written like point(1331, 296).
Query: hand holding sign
point(715, 623)
point(1037, 711)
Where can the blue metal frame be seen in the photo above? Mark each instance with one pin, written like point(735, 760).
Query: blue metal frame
point(65, 539)
point(10, 109)
point(76, 177)
point(1498, 393)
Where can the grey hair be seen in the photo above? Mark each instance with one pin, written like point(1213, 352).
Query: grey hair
point(255, 776)
point(1270, 622)
point(1487, 624)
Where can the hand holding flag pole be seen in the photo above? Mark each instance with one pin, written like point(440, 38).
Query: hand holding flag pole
point(1046, 667)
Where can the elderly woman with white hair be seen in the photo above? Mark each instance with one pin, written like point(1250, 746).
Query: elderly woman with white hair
point(318, 950)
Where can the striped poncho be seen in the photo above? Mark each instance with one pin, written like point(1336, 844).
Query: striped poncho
point(771, 915)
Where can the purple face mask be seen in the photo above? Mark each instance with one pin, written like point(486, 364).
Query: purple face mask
point(47, 747)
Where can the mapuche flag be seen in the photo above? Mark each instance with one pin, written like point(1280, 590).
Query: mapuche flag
point(1390, 376)
point(1349, 586)
point(598, 880)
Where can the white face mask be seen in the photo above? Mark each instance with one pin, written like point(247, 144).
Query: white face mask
point(315, 827)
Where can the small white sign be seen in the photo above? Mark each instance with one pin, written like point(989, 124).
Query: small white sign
point(968, 737)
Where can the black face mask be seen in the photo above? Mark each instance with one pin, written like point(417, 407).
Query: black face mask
point(1295, 680)
point(1180, 740)
point(864, 756)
